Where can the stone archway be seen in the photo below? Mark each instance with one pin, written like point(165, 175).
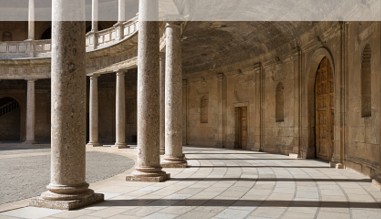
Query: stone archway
point(324, 111)
point(10, 120)
point(308, 109)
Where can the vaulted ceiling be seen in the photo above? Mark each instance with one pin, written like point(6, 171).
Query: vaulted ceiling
point(208, 45)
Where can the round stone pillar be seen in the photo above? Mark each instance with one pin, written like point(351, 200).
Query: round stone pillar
point(93, 112)
point(68, 188)
point(94, 15)
point(162, 103)
point(31, 20)
point(174, 156)
point(30, 112)
point(121, 10)
point(120, 110)
point(147, 167)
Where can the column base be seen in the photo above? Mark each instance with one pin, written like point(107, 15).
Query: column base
point(376, 181)
point(29, 142)
point(93, 144)
point(293, 155)
point(174, 165)
point(121, 145)
point(174, 162)
point(81, 201)
point(336, 165)
point(148, 175)
point(162, 151)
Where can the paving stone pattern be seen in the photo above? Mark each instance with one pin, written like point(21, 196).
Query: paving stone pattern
point(25, 172)
point(233, 184)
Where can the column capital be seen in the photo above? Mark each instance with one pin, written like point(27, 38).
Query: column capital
point(173, 24)
point(258, 66)
point(185, 81)
point(220, 76)
point(94, 76)
point(120, 72)
point(30, 80)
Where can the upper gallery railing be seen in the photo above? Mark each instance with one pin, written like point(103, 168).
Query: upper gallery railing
point(94, 40)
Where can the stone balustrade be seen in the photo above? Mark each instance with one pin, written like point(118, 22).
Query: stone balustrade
point(94, 40)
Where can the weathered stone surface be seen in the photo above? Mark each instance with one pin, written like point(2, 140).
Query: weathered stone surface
point(173, 98)
point(67, 188)
point(147, 167)
point(120, 117)
point(93, 113)
point(85, 200)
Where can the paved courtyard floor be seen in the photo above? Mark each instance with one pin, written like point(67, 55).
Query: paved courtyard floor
point(231, 184)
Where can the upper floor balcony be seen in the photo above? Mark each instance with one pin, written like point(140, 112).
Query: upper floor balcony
point(94, 41)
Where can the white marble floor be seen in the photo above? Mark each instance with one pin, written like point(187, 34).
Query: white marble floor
point(235, 184)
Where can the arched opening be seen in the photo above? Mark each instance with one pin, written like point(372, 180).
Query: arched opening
point(279, 103)
point(47, 34)
point(7, 36)
point(366, 85)
point(324, 110)
point(9, 120)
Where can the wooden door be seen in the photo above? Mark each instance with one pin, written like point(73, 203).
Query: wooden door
point(240, 128)
point(324, 110)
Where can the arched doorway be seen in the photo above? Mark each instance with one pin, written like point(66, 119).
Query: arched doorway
point(47, 34)
point(324, 110)
point(9, 120)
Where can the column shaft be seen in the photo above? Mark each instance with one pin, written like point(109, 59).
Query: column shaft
point(94, 16)
point(174, 156)
point(30, 112)
point(121, 10)
point(120, 110)
point(185, 111)
point(94, 22)
point(162, 103)
point(68, 188)
point(220, 140)
point(148, 161)
point(93, 112)
point(31, 20)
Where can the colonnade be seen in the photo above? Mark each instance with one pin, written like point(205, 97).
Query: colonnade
point(68, 188)
point(94, 16)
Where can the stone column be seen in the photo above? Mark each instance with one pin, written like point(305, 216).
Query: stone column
point(121, 17)
point(94, 16)
point(30, 112)
point(121, 10)
point(220, 139)
point(120, 110)
point(174, 156)
point(31, 20)
point(185, 111)
point(162, 103)
point(94, 22)
point(68, 188)
point(147, 167)
point(93, 111)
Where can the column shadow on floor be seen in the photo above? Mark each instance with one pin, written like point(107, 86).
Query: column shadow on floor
point(239, 203)
point(256, 153)
point(248, 159)
point(264, 166)
point(273, 179)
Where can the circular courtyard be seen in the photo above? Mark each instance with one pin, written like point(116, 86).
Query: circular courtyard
point(25, 169)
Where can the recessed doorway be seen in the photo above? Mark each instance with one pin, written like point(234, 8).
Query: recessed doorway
point(324, 110)
point(9, 120)
point(240, 128)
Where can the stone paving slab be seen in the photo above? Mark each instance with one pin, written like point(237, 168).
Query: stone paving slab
point(242, 184)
